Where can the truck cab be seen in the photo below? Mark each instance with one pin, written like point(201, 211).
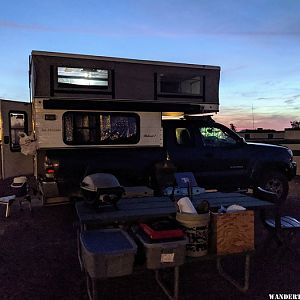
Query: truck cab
point(221, 159)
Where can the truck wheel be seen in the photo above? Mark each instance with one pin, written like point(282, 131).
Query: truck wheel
point(276, 182)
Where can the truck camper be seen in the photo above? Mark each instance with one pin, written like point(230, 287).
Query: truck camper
point(137, 120)
point(94, 114)
point(102, 114)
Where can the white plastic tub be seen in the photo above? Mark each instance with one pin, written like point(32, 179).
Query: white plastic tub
point(163, 254)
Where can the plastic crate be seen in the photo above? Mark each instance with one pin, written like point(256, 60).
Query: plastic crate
point(107, 252)
point(164, 253)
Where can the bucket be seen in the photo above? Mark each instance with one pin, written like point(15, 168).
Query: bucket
point(196, 229)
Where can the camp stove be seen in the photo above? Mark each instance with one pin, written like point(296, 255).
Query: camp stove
point(101, 190)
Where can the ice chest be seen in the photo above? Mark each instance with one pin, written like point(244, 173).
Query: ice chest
point(232, 232)
point(107, 252)
point(163, 253)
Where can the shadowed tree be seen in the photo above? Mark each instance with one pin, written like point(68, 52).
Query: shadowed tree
point(295, 124)
point(232, 127)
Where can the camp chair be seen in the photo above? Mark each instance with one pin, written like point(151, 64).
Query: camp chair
point(289, 226)
point(185, 185)
point(283, 228)
point(21, 188)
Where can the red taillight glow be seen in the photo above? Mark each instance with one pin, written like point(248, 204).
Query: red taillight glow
point(50, 171)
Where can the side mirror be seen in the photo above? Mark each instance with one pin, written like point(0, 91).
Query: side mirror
point(242, 141)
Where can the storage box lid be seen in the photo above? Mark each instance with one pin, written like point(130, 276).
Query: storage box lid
point(107, 241)
point(150, 243)
point(162, 229)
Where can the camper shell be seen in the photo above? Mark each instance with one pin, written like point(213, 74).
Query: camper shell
point(95, 113)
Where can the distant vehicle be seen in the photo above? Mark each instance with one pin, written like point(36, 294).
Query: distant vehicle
point(111, 115)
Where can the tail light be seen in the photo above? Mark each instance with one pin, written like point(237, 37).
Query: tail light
point(51, 168)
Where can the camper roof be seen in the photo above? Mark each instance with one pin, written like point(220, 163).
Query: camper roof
point(118, 59)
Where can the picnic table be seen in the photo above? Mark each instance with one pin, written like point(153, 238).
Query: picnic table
point(141, 209)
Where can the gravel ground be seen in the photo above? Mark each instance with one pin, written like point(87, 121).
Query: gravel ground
point(38, 260)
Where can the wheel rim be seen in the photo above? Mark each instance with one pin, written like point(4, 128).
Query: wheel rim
point(275, 185)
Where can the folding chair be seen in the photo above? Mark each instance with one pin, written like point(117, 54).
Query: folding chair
point(289, 226)
point(21, 188)
point(284, 228)
point(186, 185)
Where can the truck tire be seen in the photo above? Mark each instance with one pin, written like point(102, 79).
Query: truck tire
point(276, 182)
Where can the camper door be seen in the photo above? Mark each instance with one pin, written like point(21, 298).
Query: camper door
point(16, 118)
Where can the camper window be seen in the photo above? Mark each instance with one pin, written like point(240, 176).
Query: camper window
point(82, 80)
point(94, 128)
point(82, 77)
point(174, 85)
point(17, 125)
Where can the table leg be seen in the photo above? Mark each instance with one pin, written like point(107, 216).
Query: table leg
point(91, 286)
point(79, 249)
point(175, 287)
point(240, 287)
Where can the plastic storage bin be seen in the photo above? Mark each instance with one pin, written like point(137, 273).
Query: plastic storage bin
point(107, 252)
point(164, 253)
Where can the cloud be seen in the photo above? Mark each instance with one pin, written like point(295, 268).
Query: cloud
point(267, 98)
point(135, 29)
point(289, 101)
point(292, 99)
point(22, 26)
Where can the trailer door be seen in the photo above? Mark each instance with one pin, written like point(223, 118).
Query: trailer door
point(16, 118)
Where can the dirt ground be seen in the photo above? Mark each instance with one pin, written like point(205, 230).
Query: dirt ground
point(38, 260)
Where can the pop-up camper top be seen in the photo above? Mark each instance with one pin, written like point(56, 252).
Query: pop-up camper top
point(105, 114)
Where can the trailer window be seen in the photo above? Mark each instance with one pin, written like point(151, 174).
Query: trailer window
point(90, 128)
point(180, 85)
point(17, 125)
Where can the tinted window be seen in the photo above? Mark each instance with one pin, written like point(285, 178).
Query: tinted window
point(184, 137)
point(90, 128)
point(215, 137)
point(177, 84)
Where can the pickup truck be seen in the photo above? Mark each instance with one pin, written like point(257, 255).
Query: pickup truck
point(219, 158)
point(95, 114)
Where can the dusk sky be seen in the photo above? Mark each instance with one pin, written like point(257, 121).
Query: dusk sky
point(256, 43)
